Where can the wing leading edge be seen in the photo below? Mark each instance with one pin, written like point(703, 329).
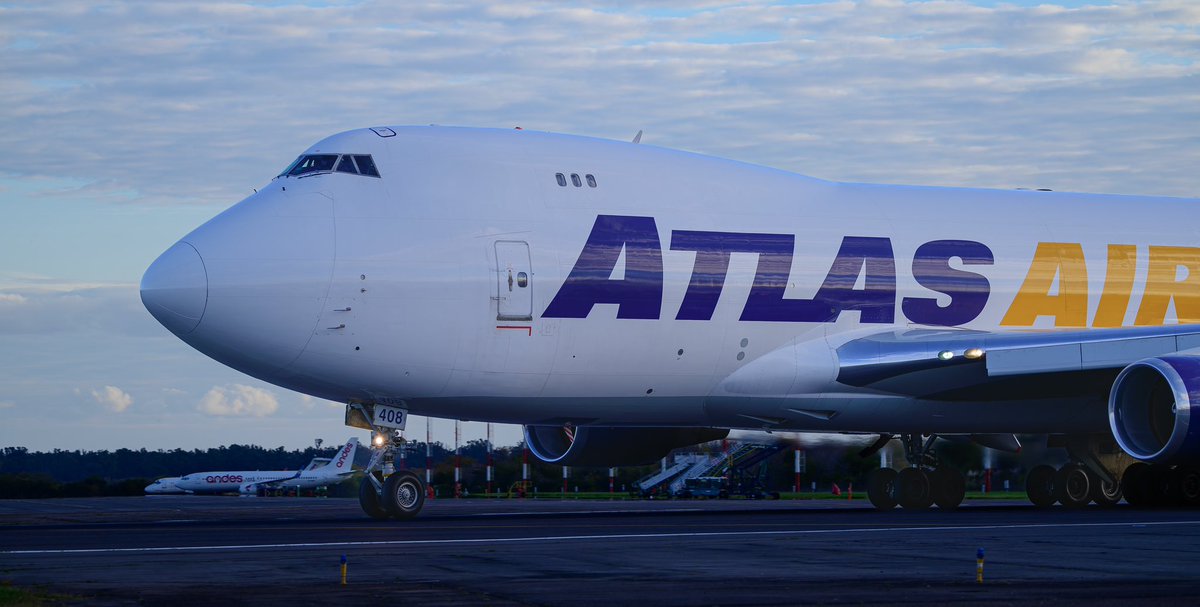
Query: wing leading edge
point(968, 365)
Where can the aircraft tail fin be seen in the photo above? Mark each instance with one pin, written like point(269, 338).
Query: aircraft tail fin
point(343, 460)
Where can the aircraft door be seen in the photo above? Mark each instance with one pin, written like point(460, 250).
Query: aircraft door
point(514, 281)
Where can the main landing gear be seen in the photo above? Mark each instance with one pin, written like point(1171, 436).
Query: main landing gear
point(1158, 486)
point(384, 491)
point(1100, 472)
point(919, 486)
point(1088, 477)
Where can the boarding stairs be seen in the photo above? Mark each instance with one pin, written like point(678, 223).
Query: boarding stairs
point(702, 465)
point(737, 465)
point(682, 462)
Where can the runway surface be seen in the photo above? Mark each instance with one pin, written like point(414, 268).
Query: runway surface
point(200, 550)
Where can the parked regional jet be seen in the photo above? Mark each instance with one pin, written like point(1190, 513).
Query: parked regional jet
point(621, 300)
point(337, 470)
point(164, 486)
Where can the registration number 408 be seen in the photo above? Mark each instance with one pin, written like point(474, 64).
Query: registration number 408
point(390, 417)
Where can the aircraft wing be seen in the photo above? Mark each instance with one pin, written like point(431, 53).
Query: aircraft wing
point(967, 365)
point(334, 478)
point(277, 481)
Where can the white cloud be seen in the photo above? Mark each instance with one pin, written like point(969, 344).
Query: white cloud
point(309, 403)
point(113, 398)
point(78, 309)
point(1033, 81)
point(32, 283)
point(238, 400)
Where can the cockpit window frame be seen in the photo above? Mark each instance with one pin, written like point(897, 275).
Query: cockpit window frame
point(363, 169)
point(298, 168)
point(360, 168)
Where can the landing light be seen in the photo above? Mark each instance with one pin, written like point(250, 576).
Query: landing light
point(945, 355)
point(973, 353)
point(378, 440)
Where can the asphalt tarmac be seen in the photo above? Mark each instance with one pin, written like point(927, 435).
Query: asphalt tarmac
point(181, 550)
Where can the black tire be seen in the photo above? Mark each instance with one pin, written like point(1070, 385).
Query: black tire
point(1164, 486)
point(368, 499)
point(403, 495)
point(913, 489)
point(1135, 485)
point(1189, 485)
point(1106, 494)
point(1073, 486)
point(881, 488)
point(1039, 485)
point(949, 488)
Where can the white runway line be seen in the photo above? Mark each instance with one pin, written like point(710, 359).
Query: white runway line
point(623, 536)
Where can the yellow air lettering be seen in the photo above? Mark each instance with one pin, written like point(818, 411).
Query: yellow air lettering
point(1162, 286)
point(1118, 284)
point(1070, 306)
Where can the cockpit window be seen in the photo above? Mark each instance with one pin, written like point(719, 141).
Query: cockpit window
point(366, 166)
point(313, 163)
point(346, 165)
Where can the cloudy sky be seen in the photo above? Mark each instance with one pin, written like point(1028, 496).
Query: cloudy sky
point(125, 124)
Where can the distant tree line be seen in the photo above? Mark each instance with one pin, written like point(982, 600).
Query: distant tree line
point(62, 473)
point(70, 466)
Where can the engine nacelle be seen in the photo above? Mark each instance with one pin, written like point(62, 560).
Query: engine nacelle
point(1150, 409)
point(606, 446)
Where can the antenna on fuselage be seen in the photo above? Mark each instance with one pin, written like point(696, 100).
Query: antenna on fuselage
point(638, 138)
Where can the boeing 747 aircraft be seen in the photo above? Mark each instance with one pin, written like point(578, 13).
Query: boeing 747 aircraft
point(337, 470)
point(621, 300)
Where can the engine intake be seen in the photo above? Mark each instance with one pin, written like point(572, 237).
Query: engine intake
point(606, 446)
point(1150, 409)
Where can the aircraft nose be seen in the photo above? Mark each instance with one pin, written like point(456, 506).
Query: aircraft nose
point(175, 288)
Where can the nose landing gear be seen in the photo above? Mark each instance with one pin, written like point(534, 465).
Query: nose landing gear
point(385, 492)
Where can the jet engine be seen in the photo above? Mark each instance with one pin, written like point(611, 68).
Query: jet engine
point(605, 446)
point(1150, 409)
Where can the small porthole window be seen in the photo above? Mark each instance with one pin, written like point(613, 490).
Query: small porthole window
point(522, 279)
point(561, 179)
point(591, 181)
point(576, 181)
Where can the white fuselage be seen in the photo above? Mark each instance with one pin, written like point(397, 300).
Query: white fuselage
point(680, 290)
point(333, 471)
point(234, 481)
point(229, 481)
